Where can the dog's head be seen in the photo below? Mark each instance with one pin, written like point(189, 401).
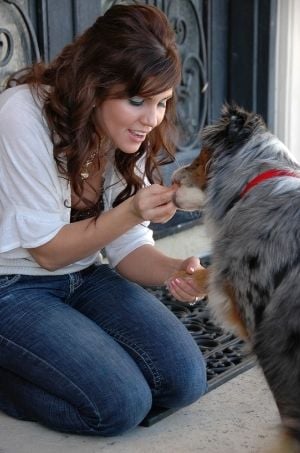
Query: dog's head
point(235, 127)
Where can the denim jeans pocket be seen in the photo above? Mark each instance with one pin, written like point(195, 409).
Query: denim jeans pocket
point(8, 280)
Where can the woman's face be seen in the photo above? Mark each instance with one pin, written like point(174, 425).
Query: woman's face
point(126, 122)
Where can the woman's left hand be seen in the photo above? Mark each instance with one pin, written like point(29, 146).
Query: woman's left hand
point(182, 285)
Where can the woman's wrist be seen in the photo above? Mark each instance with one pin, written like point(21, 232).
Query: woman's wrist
point(129, 204)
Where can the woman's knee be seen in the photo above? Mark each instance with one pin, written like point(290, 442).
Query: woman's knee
point(126, 412)
point(184, 384)
point(122, 411)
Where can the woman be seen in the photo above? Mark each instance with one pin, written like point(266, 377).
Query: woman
point(84, 348)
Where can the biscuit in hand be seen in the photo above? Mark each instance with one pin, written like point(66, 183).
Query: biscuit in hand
point(200, 277)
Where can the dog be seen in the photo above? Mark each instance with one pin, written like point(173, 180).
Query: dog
point(248, 185)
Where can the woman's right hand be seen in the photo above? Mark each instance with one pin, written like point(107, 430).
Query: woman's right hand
point(154, 203)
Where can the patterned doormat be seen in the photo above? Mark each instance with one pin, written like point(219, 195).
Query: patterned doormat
point(226, 356)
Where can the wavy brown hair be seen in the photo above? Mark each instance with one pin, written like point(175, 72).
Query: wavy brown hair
point(130, 46)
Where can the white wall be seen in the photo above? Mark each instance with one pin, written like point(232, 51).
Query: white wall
point(287, 85)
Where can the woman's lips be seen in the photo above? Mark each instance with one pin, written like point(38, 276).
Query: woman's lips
point(137, 136)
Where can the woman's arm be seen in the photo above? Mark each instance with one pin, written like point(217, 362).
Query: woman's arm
point(148, 266)
point(80, 239)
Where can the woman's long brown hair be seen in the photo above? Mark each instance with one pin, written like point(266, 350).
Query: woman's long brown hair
point(130, 46)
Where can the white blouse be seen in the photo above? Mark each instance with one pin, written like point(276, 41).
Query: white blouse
point(35, 199)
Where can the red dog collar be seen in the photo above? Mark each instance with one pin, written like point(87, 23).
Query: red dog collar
point(273, 173)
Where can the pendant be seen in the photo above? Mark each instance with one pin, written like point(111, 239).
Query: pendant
point(84, 175)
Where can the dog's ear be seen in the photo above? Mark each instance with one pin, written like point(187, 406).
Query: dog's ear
point(240, 124)
point(236, 126)
point(233, 129)
point(235, 118)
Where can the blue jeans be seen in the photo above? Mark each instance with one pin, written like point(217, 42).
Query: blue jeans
point(91, 352)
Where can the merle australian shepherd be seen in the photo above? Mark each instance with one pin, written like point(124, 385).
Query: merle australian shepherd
point(248, 185)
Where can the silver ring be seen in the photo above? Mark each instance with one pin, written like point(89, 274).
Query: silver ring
point(193, 302)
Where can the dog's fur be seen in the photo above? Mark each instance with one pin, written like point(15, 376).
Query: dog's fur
point(254, 283)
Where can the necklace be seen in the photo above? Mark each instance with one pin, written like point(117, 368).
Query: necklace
point(84, 174)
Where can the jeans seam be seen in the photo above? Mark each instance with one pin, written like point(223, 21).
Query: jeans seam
point(51, 367)
point(75, 281)
point(142, 354)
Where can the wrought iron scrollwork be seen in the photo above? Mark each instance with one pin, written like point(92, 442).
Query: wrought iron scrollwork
point(6, 46)
point(192, 92)
point(18, 42)
point(29, 27)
